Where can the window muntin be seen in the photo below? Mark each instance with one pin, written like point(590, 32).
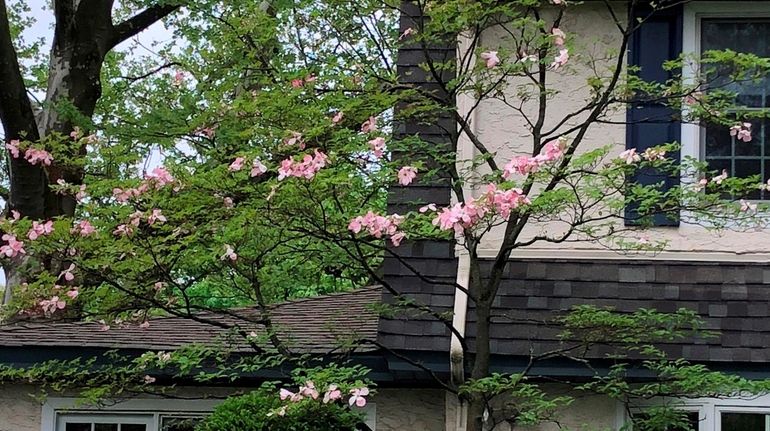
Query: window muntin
point(722, 151)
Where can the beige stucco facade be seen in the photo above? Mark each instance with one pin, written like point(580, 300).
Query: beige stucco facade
point(396, 410)
point(594, 43)
point(19, 411)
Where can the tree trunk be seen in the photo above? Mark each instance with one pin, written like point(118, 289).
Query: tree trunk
point(480, 368)
point(83, 35)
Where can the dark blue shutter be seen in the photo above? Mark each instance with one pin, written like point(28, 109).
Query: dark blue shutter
point(650, 123)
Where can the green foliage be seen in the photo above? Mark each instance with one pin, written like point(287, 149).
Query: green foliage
point(255, 411)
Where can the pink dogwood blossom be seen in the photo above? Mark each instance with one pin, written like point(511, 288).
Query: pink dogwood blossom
point(236, 165)
point(123, 230)
point(308, 390)
point(40, 229)
point(370, 125)
point(229, 253)
point(332, 394)
point(50, 306)
point(160, 176)
point(378, 226)
point(307, 168)
point(72, 293)
point(156, 216)
point(13, 147)
point(742, 132)
point(13, 247)
point(83, 228)
point(337, 117)
point(257, 168)
point(357, 396)
point(561, 59)
point(653, 153)
point(559, 36)
point(630, 156)
point(406, 175)
point(35, 156)
point(67, 273)
point(378, 146)
point(295, 139)
point(490, 58)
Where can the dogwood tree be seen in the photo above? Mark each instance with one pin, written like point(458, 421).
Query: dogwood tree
point(275, 121)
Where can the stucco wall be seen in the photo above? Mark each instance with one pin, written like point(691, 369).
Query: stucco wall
point(595, 46)
point(410, 409)
point(18, 410)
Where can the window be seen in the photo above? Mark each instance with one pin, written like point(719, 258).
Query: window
point(742, 26)
point(81, 422)
point(63, 414)
point(751, 413)
point(723, 151)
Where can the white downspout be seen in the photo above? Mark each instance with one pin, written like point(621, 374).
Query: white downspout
point(456, 359)
point(465, 151)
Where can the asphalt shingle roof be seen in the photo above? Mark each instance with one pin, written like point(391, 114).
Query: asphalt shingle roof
point(313, 325)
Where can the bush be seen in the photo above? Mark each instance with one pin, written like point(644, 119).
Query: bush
point(257, 411)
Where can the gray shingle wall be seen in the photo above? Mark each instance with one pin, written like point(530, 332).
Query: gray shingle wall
point(733, 299)
point(432, 259)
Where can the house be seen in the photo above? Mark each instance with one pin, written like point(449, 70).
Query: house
point(723, 277)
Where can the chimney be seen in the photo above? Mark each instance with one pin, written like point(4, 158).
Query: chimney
point(432, 259)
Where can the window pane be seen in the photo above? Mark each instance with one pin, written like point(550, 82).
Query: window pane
point(77, 427)
point(106, 427)
point(133, 427)
point(718, 141)
point(743, 422)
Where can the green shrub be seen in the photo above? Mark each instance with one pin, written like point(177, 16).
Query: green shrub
point(257, 411)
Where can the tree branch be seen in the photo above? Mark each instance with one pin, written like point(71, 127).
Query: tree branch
point(137, 23)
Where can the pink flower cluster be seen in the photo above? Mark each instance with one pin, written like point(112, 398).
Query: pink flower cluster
point(300, 82)
point(40, 229)
point(466, 215)
point(630, 156)
point(524, 165)
point(307, 168)
point(13, 247)
point(379, 226)
point(32, 155)
point(50, 306)
point(157, 179)
point(333, 393)
point(135, 219)
point(83, 228)
point(559, 39)
point(295, 139)
point(742, 132)
point(491, 60)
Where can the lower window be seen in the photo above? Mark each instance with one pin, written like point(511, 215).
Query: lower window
point(734, 421)
point(126, 422)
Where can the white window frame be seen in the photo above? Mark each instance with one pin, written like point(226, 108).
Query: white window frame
point(710, 409)
point(152, 408)
point(694, 12)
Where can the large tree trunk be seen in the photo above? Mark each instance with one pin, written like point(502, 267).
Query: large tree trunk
point(83, 35)
point(81, 41)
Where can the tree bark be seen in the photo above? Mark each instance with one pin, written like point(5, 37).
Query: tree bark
point(83, 35)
